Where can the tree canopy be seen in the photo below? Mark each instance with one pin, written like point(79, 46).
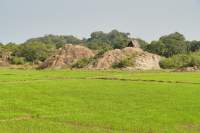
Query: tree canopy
point(34, 51)
point(193, 46)
point(168, 45)
point(57, 41)
point(111, 40)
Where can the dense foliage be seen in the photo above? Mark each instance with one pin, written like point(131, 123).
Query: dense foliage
point(34, 52)
point(125, 62)
point(17, 60)
point(173, 46)
point(168, 45)
point(193, 46)
point(181, 60)
point(57, 41)
point(82, 63)
point(112, 40)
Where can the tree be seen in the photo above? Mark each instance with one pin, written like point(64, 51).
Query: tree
point(33, 52)
point(98, 40)
point(7, 49)
point(193, 46)
point(143, 44)
point(169, 45)
point(57, 41)
point(10, 47)
point(118, 39)
point(157, 47)
point(1, 44)
point(1, 50)
point(114, 39)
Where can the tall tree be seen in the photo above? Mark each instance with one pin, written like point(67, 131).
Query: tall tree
point(193, 46)
point(57, 41)
point(169, 45)
point(111, 40)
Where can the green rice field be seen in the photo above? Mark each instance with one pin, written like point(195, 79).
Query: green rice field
point(83, 101)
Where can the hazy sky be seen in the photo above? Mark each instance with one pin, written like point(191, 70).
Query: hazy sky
point(147, 19)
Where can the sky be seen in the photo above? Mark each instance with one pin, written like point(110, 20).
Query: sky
point(146, 19)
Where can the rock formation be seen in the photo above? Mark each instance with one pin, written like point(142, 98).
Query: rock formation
point(70, 54)
point(147, 61)
point(4, 58)
point(67, 56)
point(141, 60)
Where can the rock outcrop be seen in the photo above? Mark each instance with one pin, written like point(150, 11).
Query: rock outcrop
point(188, 69)
point(108, 59)
point(3, 62)
point(147, 61)
point(4, 59)
point(141, 60)
point(67, 56)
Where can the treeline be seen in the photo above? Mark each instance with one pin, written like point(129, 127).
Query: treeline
point(38, 49)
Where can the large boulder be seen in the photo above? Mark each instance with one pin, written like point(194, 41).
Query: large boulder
point(147, 61)
point(3, 62)
point(4, 58)
point(141, 60)
point(67, 56)
point(108, 59)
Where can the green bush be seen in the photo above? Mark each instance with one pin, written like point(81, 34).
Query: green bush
point(195, 60)
point(182, 60)
point(17, 60)
point(33, 52)
point(82, 63)
point(124, 63)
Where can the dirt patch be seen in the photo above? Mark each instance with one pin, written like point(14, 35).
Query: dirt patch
point(191, 127)
point(27, 117)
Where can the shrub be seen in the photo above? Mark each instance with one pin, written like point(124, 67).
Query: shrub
point(34, 51)
point(182, 60)
point(17, 60)
point(82, 63)
point(124, 63)
point(100, 53)
point(195, 60)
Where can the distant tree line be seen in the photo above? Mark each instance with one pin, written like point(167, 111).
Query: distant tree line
point(172, 44)
point(38, 49)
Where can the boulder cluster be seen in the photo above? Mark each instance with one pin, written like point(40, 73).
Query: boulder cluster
point(68, 55)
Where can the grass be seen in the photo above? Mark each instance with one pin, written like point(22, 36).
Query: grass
point(64, 101)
